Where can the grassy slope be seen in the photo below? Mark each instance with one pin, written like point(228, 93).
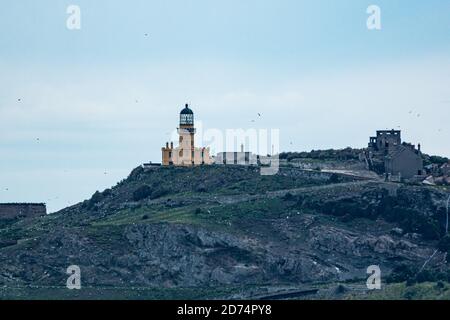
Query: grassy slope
point(205, 210)
point(400, 291)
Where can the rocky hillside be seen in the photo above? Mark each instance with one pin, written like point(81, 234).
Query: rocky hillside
point(228, 232)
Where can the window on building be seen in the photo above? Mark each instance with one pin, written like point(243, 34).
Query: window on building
point(186, 119)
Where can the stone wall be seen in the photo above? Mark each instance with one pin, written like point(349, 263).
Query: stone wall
point(22, 210)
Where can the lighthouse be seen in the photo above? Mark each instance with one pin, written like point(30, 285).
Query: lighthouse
point(186, 154)
point(186, 133)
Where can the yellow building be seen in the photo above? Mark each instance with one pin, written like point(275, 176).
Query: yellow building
point(186, 154)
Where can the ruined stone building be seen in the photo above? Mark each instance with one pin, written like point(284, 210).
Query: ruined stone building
point(185, 154)
point(386, 153)
point(22, 210)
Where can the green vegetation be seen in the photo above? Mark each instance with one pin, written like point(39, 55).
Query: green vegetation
point(427, 160)
point(398, 210)
point(331, 154)
point(395, 209)
point(444, 244)
point(402, 291)
point(210, 216)
point(105, 235)
point(154, 226)
point(142, 193)
point(217, 179)
point(91, 203)
point(115, 293)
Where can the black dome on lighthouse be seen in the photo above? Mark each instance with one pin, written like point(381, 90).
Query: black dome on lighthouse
point(186, 116)
point(186, 110)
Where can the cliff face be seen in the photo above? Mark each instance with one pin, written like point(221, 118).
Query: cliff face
point(227, 232)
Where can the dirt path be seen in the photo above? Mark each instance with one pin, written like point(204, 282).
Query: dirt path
point(346, 186)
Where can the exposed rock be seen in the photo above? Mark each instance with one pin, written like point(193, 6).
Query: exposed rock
point(246, 232)
point(397, 231)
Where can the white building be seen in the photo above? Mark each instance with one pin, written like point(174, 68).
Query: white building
point(236, 158)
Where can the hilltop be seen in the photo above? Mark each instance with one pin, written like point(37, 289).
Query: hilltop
point(228, 232)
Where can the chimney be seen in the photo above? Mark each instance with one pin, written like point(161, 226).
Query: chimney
point(242, 147)
point(418, 146)
point(167, 145)
point(171, 145)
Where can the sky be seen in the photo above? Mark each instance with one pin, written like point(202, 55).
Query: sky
point(79, 109)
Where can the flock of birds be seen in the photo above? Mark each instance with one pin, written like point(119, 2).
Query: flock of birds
point(411, 112)
point(38, 140)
